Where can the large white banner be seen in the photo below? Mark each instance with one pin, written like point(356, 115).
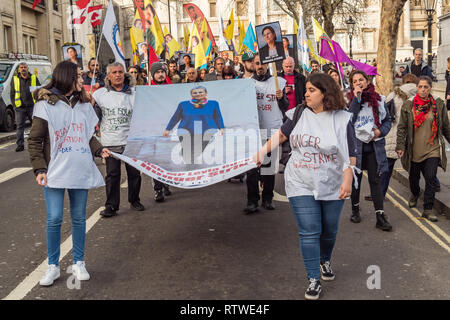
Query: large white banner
point(192, 135)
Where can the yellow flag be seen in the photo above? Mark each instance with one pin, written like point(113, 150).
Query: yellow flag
point(229, 30)
point(314, 55)
point(186, 37)
point(171, 44)
point(204, 33)
point(155, 37)
point(295, 27)
point(196, 47)
point(136, 36)
point(241, 30)
point(318, 30)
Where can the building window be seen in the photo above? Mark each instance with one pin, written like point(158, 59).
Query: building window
point(58, 50)
point(417, 33)
point(32, 45)
point(368, 40)
point(25, 44)
point(241, 8)
point(55, 5)
point(213, 9)
point(341, 38)
point(7, 36)
point(275, 6)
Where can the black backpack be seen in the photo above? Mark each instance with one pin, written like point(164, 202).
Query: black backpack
point(391, 108)
point(286, 147)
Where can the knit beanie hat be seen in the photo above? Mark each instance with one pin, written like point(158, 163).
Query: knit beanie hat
point(156, 66)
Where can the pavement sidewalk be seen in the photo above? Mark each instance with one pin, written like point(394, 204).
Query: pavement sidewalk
point(442, 198)
point(11, 136)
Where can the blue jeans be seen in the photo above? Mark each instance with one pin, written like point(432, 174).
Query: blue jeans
point(22, 114)
point(54, 202)
point(318, 223)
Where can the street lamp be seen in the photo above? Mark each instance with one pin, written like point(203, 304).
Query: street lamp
point(430, 8)
point(350, 29)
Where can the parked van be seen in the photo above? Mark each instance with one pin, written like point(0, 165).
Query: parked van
point(9, 64)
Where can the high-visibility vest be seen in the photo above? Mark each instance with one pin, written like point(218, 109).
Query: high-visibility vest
point(17, 100)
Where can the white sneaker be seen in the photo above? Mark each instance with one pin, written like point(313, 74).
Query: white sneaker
point(79, 271)
point(50, 276)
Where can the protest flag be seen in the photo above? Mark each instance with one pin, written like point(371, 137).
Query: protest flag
point(111, 32)
point(223, 45)
point(186, 37)
point(196, 47)
point(136, 36)
point(171, 45)
point(198, 17)
point(153, 30)
point(229, 30)
point(318, 30)
point(302, 46)
point(95, 15)
point(206, 41)
point(35, 3)
point(241, 30)
point(250, 39)
point(296, 26)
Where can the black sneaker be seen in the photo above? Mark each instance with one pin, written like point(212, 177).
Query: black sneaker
point(314, 290)
point(159, 196)
point(108, 212)
point(326, 271)
point(20, 148)
point(137, 206)
point(382, 222)
point(251, 207)
point(268, 205)
point(356, 217)
point(167, 192)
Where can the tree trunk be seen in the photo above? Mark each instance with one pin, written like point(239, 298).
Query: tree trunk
point(327, 14)
point(391, 11)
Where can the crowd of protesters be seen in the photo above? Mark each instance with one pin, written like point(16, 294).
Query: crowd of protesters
point(371, 132)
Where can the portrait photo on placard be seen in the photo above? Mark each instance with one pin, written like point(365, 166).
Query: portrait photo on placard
point(270, 43)
point(72, 52)
point(186, 61)
point(289, 48)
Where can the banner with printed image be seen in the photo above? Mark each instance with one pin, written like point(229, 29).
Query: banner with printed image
point(194, 134)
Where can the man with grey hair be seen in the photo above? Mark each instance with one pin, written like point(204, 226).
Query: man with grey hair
point(22, 100)
point(116, 101)
point(418, 66)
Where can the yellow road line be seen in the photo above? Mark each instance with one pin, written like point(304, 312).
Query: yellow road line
point(7, 145)
point(418, 223)
point(433, 225)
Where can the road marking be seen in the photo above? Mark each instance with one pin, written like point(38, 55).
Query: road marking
point(10, 174)
point(418, 223)
point(433, 225)
point(7, 145)
point(33, 278)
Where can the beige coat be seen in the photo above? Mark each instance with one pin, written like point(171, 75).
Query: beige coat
point(400, 95)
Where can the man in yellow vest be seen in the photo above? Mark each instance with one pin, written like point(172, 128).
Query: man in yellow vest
point(22, 100)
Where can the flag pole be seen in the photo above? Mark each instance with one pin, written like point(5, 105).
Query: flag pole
point(96, 60)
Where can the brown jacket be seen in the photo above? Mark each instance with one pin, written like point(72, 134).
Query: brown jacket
point(405, 133)
point(39, 139)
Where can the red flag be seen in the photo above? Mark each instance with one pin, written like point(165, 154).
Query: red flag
point(96, 15)
point(79, 15)
point(82, 4)
point(35, 3)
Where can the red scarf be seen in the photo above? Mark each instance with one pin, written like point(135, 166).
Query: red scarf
point(372, 97)
point(421, 110)
point(167, 81)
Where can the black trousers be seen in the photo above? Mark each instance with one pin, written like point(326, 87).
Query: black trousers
point(428, 168)
point(369, 163)
point(253, 177)
point(158, 185)
point(22, 114)
point(113, 183)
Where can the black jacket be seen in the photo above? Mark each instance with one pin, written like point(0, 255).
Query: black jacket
point(25, 93)
point(300, 85)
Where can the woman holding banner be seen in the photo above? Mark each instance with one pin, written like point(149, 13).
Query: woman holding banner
point(319, 174)
point(198, 117)
point(62, 147)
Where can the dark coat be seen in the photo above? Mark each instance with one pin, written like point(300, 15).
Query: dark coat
point(426, 69)
point(380, 145)
point(300, 86)
point(211, 76)
point(447, 89)
point(264, 51)
point(405, 133)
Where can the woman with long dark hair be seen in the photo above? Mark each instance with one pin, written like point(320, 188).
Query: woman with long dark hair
point(319, 174)
point(61, 146)
point(372, 123)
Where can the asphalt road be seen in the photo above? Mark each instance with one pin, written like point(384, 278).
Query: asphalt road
point(199, 244)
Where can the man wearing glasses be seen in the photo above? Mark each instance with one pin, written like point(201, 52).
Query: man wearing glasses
point(99, 78)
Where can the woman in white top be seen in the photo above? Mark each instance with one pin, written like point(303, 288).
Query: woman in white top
point(61, 146)
point(318, 175)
